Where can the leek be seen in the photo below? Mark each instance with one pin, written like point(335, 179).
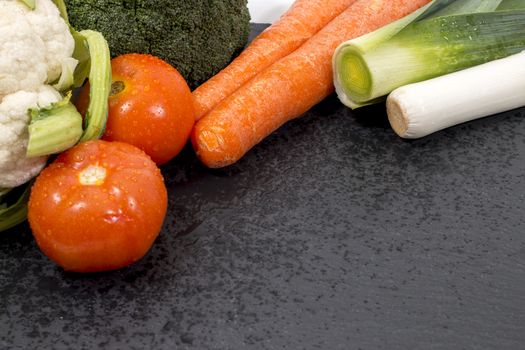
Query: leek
point(419, 109)
point(511, 4)
point(440, 38)
point(467, 6)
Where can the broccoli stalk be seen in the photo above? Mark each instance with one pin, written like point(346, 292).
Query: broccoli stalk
point(198, 37)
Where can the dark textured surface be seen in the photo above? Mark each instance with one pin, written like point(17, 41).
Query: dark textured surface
point(331, 234)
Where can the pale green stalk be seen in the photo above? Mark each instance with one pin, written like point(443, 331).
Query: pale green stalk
point(54, 129)
point(100, 85)
point(29, 3)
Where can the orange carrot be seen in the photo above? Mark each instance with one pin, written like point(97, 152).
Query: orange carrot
point(289, 87)
point(298, 24)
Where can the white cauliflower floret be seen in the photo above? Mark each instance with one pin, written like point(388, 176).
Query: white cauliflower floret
point(15, 168)
point(33, 45)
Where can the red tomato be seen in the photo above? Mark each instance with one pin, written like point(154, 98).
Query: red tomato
point(150, 106)
point(99, 206)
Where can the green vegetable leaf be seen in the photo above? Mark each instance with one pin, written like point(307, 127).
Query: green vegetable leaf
point(370, 40)
point(460, 7)
point(54, 129)
point(511, 5)
point(62, 8)
point(12, 215)
point(81, 54)
point(100, 85)
point(3, 192)
point(67, 78)
point(29, 3)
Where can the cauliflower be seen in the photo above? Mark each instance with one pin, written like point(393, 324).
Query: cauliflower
point(15, 167)
point(37, 73)
point(34, 44)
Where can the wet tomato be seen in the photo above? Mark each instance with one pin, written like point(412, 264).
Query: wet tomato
point(99, 206)
point(150, 106)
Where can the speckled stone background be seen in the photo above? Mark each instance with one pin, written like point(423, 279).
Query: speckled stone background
point(331, 234)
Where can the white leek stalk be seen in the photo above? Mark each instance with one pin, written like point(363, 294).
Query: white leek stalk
point(419, 109)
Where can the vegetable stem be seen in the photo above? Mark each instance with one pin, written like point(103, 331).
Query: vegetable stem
point(29, 3)
point(100, 83)
point(15, 214)
point(419, 109)
point(53, 129)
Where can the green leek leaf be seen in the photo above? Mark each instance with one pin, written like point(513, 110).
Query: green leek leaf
point(370, 40)
point(459, 7)
point(62, 8)
point(511, 5)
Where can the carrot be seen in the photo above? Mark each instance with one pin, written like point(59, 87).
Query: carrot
point(298, 24)
point(289, 87)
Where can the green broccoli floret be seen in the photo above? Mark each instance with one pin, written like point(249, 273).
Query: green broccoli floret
point(198, 37)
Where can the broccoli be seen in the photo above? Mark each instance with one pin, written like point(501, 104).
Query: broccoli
point(198, 37)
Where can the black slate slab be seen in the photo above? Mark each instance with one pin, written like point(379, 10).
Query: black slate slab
point(331, 234)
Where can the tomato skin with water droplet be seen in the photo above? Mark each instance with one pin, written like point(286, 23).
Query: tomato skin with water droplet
point(151, 106)
point(99, 206)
